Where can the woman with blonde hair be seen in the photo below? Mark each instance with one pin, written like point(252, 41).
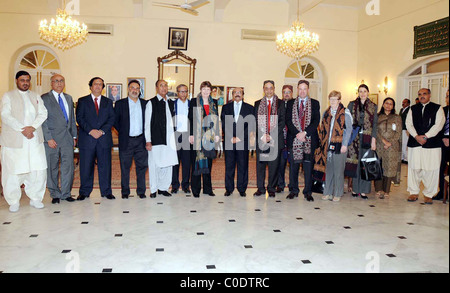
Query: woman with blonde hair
point(334, 134)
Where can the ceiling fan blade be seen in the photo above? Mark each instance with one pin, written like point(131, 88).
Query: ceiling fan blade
point(190, 11)
point(199, 3)
point(166, 4)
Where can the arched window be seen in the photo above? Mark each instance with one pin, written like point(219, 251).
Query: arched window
point(309, 70)
point(41, 62)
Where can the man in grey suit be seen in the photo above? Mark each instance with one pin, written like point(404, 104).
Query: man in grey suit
point(60, 133)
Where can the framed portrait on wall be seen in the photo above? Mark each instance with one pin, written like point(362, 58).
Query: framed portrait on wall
point(374, 98)
point(218, 93)
point(114, 91)
point(141, 82)
point(229, 96)
point(178, 38)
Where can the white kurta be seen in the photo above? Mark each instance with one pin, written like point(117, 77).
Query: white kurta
point(26, 165)
point(424, 164)
point(161, 158)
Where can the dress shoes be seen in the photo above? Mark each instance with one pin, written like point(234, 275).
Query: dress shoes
point(69, 199)
point(211, 194)
point(196, 195)
point(165, 193)
point(271, 194)
point(258, 193)
point(280, 190)
point(309, 197)
point(187, 191)
point(142, 196)
point(82, 197)
point(125, 196)
point(292, 196)
point(174, 191)
point(153, 195)
point(55, 201)
point(227, 193)
point(109, 196)
point(242, 194)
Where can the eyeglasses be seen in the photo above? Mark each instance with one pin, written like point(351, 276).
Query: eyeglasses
point(58, 81)
point(183, 91)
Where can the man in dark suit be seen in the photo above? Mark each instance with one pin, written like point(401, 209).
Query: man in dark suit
point(95, 117)
point(302, 119)
point(238, 121)
point(445, 152)
point(270, 115)
point(130, 118)
point(60, 133)
point(406, 105)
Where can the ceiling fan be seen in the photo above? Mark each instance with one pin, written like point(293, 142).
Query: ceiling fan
point(186, 7)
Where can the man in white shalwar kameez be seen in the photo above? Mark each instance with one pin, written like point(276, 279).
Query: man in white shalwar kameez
point(424, 123)
point(160, 140)
point(23, 153)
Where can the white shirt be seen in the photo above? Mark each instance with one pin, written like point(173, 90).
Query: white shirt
point(182, 115)
point(99, 98)
point(237, 110)
point(66, 106)
point(136, 122)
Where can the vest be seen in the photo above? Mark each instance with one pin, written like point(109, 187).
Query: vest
point(158, 124)
point(423, 124)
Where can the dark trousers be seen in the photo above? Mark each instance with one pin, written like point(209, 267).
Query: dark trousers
point(444, 161)
point(261, 173)
point(308, 166)
point(196, 180)
point(282, 169)
point(236, 159)
point(184, 159)
point(87, 166)
point(135, 150)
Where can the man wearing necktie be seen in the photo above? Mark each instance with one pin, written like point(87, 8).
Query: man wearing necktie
point(238, 122)
point(95, 117)
point(60, 133)
point(424, 124)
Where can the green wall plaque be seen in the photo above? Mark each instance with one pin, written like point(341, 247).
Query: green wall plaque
point(431, 38)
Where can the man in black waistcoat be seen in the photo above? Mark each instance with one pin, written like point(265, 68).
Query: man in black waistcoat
point(424, 124)
point(445, 152)
point(160, 140)
point(406, 106)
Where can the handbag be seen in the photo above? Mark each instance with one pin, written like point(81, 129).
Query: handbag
point(317, 186)
point(371, 166)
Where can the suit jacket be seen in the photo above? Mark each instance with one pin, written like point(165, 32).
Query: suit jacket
point(404, 114)
point(122, 120)
point(88, 120)
point(311, 130)
point(443, 129)
point(56, 127)
point(281, 112)
point(241, 129)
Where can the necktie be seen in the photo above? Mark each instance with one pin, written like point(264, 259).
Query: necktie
point(446, 127)
point(96, 105)
point(302, 115)
point(63, 109)
point(268, 118)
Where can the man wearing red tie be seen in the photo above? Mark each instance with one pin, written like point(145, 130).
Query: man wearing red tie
point(95, 117)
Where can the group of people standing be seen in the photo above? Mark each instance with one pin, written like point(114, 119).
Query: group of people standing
point(165, 136)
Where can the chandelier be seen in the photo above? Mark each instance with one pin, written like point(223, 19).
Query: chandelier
point(297, 42)
point(63, 33)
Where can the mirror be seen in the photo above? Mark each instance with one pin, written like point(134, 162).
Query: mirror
point(177, 68)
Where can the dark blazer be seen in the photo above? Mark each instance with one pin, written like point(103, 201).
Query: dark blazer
point(404, 114)
point(443, 129)
point(122, 121)
point(243, 131)
point(87, 120)
point(311, 130)
point(192, 106)
point(281, 112)
point(55, 127)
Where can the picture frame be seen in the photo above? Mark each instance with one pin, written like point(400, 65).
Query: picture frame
point(114, 91)
point(229, 96)
point(141, 82)
point(218, 93)
point(178, 38)
point(374, 98)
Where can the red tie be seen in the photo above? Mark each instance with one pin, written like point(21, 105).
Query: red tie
point(302, 116)
point(268, 118)
point(96, 105)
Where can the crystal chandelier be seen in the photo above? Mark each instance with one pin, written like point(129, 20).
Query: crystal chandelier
point(297, 42)
point(63, 33)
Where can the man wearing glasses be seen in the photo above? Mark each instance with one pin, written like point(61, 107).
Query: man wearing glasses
point(60, 133)
point(182, 139)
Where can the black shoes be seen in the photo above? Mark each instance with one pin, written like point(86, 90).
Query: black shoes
point(309, 197)
point(292, 196)
point(109, 196)
point(142, 196)
point(82, 197)
point(258, 193)
point(242, 194)
point(227, 193)
point(187, 191)
point(165, 193)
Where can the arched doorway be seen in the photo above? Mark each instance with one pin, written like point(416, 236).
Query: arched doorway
point(41, 62)
point(432, 73)
point(307, 69)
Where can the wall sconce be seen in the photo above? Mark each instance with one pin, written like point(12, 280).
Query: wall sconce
point(386, 87)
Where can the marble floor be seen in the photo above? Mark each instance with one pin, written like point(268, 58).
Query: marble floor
point(183, 234)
